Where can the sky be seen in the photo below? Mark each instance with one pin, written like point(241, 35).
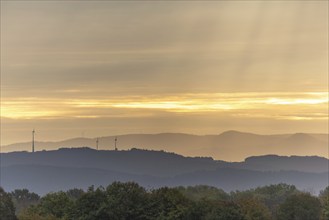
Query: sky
point(100, 68)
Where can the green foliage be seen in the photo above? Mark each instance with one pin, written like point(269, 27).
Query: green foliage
point(225, 211)
point(32, 214)
point(22, 199)
point(7, 209)
point(75, 193)
point(129, 201)
point(253, 209)
point(324, 199)
point(272, 196)
point(90, 206)
point(55, 204)
point(300, 206)
point(125, 201)
point(205, 209)
point(196, 193)
point(168, 203)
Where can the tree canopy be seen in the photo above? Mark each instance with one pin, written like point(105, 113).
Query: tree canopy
point(130, 201)
point(7, 209)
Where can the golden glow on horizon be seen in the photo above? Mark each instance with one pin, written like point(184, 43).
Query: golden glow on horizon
point(256, 66)
point(289, 106)
point(297, 101)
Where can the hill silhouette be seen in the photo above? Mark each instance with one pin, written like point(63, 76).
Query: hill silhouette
point(229, 146)
point(66, 168)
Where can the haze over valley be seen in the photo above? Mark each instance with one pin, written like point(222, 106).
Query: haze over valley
point(228, 146)
point(159, 95)
point(67, 168)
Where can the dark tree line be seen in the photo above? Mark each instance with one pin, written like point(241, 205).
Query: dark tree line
point(129, 201)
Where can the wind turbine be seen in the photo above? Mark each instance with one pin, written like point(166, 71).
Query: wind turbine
point(115, 143)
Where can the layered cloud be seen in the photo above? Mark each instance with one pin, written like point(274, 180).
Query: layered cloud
point(120, 67)
point(274, 105)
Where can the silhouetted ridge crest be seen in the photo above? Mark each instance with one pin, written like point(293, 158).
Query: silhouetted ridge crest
point(55, 170)
point(230, 145)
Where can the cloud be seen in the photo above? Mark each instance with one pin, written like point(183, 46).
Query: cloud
point(274, 105)
point(167, 66)
point(176, 46)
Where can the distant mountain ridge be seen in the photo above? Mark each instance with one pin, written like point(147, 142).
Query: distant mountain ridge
point(229, 145)
point(66, 168)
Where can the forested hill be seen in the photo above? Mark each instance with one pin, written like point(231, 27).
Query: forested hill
point(157, 163)
point(66, 168)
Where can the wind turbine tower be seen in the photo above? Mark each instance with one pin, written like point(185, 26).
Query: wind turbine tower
point(33, 132)
point(115, 143)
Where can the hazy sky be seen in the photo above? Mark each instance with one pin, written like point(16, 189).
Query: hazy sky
point(98, 68)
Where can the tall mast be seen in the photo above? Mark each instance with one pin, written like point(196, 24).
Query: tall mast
point(97, 143)
point(115, 143)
